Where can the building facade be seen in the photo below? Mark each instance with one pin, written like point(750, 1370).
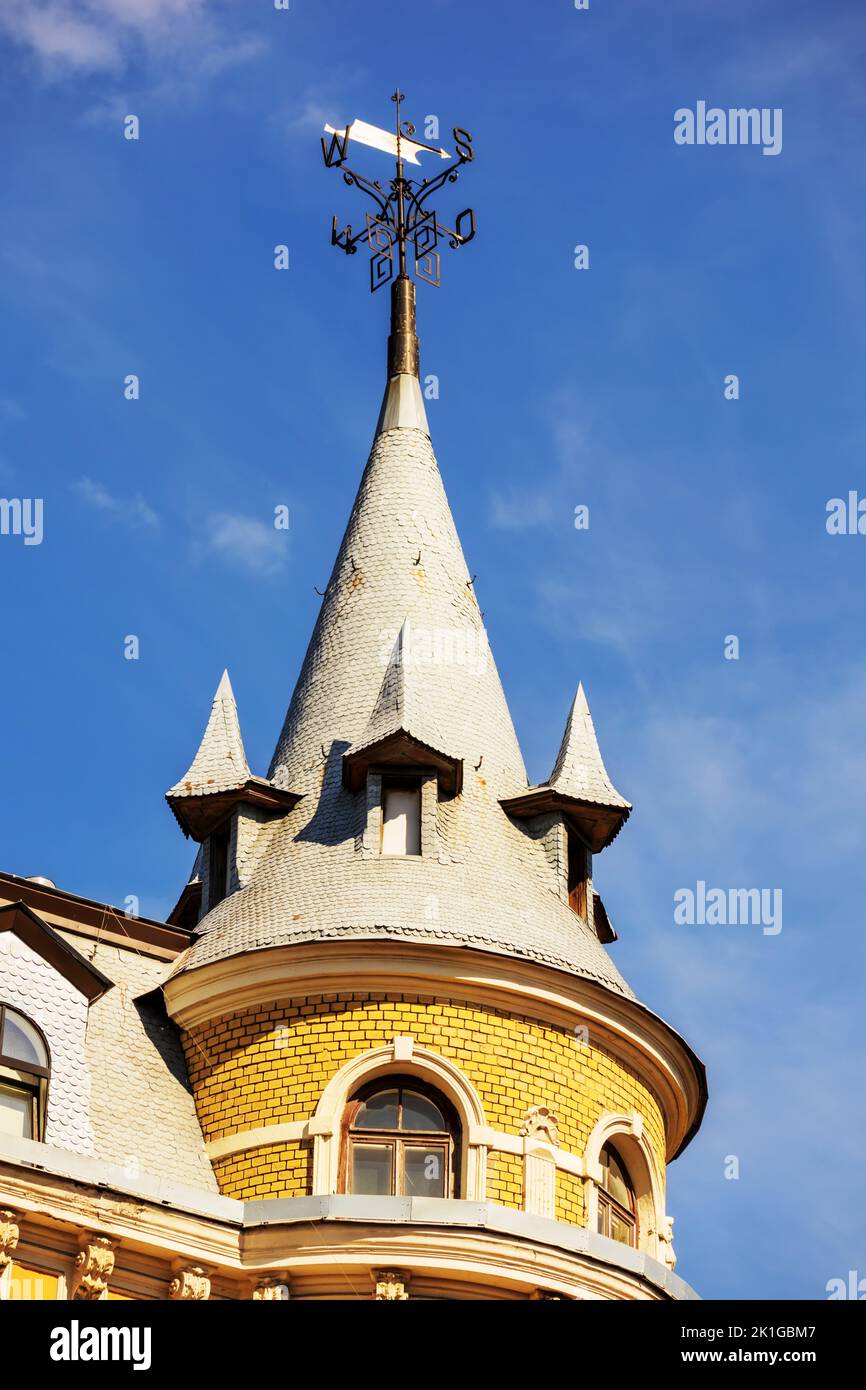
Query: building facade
point(380, 1049)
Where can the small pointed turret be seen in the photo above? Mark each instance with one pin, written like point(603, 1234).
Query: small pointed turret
point(579, 770)
point(220, 762)
point(579, 784)
point(219, 775)
point(401, 729)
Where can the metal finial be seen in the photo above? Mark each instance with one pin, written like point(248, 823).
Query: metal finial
point(401, 220)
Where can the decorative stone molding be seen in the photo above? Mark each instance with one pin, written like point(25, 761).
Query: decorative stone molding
point(538, 1121)
point(9, 1233)
point(628, 1135)
point(666, 1243)
point(634, 1037)
point(539, 1184)
point(390, 1285)
point(324, 1126)
point(191, 1282)
point(94, 1265)
point(544, 1295)
point(274, 1289)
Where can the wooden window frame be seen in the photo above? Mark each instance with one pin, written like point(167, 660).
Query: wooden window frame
point(397, 1139)
point(27, 1077)
point(577, 883)
point(223, 834)
point(608, 1206)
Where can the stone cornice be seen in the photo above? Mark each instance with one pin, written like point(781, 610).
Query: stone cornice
point(638, 1037)
point(331, 1239)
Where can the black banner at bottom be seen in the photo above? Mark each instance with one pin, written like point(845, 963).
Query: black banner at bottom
point(252, 1338)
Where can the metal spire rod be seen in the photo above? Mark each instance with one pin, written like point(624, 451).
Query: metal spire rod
point(401, 219)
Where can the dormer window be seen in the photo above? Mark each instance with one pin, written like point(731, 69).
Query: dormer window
point(218, 870)
point(401, 817)
point(577, 875)
point(24, 1072)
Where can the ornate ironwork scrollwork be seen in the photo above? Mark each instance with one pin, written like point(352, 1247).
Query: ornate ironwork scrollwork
point(402, 216)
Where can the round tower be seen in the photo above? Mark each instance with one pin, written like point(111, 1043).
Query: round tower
point(411, 1054)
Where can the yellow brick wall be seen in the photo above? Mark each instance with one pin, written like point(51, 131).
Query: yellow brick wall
point(570, 1203)
point(277, 1170)
point(505, 1179)
point(269, 1065)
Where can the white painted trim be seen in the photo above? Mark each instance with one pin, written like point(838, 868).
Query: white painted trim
point(323, 1126)
point(259, 1138)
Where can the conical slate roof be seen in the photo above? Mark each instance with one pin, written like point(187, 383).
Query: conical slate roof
point(486, 883)
point(220, 763)
point(579, 770)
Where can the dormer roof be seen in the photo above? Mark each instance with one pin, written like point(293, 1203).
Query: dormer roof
point(219, 776)
point(579, 785)
point(29, 927)
point(402, 729)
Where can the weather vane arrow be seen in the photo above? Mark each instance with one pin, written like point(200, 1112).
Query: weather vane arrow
point(379, 139)
point(401, 218)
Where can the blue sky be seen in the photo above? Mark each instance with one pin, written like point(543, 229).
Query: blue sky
point(558, 387)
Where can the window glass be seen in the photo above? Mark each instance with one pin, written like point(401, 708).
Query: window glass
point(16, 1112)
point(372, 1169)
point(401, 820)
point(419, 1113)
point(219, 867)
point(401, 1141)
point(424, 1170)
point(21, 1040)
point(620, 1229)
point(379, 1112)
point(615, 1179)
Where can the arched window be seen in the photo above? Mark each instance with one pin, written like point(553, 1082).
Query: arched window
point(400, 1141)
point(617, 1213)
point(24, 1072)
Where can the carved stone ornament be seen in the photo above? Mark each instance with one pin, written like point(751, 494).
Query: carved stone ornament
point(390, 1285)
point(666, 1241)
point(539, 1121)
point(94, 1265)
point(545, 1296)
point(191, 1282)
point(9, 1233)
point(272, 1290)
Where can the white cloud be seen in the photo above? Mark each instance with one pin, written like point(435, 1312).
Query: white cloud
point(516, 509)
point(246, 542)
point(134, 510)
point(83, 37)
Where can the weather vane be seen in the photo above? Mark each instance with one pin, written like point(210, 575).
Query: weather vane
point(402, 219)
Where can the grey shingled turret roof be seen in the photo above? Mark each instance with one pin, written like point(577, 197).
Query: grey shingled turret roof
point(486, 882)
point(579, 770)
point(220, 777)
point(579, 786)
point(402, 721)
point(220, 764)
point(401, 704)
